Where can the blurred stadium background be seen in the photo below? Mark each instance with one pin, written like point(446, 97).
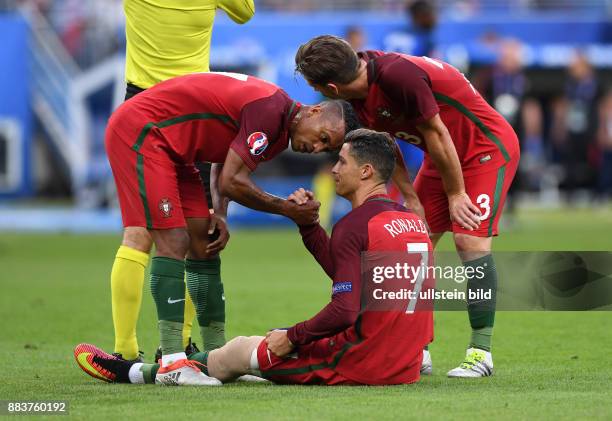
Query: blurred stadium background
point(546, 65)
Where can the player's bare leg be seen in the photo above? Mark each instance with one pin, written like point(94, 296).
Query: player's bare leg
point(476, 252)
point(205, 287)
point(137, 238)
point(236, 358)
point(472, 247)
point(127, 280)
point(168, 290)
point(203, 271)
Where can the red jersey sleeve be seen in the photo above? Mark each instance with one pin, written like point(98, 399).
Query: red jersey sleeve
point(318, 244)
point(408, 86)
point(343, 309)
point(261, 135)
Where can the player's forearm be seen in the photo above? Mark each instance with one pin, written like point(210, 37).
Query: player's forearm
point(220, 202)
point(444, 156)
point(341, 312)
point(245, 192)
point(318, 244)
point(332, 319)
point(401, 178)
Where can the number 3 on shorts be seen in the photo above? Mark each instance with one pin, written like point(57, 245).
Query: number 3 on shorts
point(484, 202)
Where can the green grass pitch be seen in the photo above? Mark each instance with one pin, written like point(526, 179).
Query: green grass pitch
point(55, 294)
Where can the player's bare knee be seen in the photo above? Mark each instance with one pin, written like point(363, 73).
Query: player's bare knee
point(471, 247)
point(248, 345)
point(137, 238)
point(242, 345)
point(239, 350)
point(229, 362)
point(197, 249)
point(199, 240)
point(172, 243)
point(217, 364)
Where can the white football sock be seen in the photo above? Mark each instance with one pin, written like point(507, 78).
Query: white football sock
point(172, 358)
point(136, 376)
point(254, 364)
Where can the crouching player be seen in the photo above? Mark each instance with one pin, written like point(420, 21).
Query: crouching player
point(343, 344)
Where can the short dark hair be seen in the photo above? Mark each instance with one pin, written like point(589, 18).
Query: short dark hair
point(327, 59)
point(374, 148)
point(346, 111)
point(351, 121)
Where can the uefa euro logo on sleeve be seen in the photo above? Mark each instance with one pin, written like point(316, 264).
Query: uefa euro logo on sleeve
point(257, 143)
point(339, 287)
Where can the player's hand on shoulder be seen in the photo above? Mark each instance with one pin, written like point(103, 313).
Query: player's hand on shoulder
point(463, 211)
point(278, 343)
point(301, 196)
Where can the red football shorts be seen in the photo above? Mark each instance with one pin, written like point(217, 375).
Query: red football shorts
point(487, 191)
point(154, 192)
point(311, 364)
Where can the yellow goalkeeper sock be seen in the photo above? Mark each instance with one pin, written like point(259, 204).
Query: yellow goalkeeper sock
point(127, 279)
point(189, 315)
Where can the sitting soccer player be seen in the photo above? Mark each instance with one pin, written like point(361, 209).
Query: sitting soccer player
point(343, 344)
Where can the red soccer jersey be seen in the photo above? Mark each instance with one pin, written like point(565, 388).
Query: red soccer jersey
point(379, 347)
point(198, 117)
point(404, 91)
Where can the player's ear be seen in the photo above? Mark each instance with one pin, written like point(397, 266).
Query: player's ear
point(315, 109)
point(332, 87)
point(367, 171)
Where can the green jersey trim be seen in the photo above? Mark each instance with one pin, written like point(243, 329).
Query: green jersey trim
point(501, 173)
point(180, 119)
point(472, 117)
point(143, 189)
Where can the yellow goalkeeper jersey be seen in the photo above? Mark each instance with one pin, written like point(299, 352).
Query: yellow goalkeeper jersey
point(168, 38)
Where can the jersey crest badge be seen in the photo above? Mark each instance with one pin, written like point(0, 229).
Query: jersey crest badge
point(165, 206)
point(257, 143)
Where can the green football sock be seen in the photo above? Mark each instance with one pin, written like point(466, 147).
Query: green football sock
point(206, 290)
point(149, 371)
point(481, 338)
point(481, 311)
point(213, 335)
point(168, 289)
point(202, 358)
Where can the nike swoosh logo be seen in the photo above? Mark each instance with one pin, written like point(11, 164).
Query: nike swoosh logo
point(171, 301)
point(84, 363)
